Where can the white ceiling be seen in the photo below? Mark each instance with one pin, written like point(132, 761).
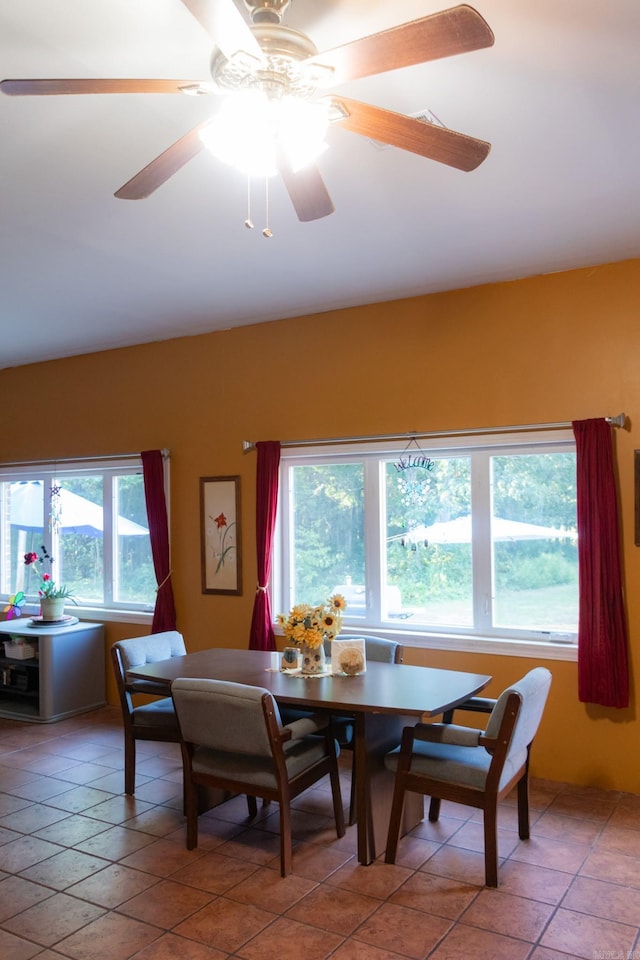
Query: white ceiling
point(558, 97)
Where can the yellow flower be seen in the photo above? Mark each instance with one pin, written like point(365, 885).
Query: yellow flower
point(307, 625)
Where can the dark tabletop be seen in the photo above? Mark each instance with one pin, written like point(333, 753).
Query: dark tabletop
point(383, 688)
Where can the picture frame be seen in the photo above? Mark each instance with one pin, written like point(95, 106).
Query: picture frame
point(636, 487)
point(220, 535)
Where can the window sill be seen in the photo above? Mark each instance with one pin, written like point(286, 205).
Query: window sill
point(101, 614)
point(536, 649)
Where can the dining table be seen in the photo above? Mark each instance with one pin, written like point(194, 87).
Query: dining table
point(381, 701)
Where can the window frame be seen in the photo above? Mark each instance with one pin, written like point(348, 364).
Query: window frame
point(109, 469)
point(483, 637)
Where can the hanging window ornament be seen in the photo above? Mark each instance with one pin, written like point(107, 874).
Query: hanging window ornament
point(55, 508)
point(413, 480)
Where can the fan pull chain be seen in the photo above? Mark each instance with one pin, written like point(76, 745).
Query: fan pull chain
point(266, 232)
point(249, 222)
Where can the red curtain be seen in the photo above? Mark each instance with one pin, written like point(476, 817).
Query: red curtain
point(164, 615)
point(603, 667)
point(261, 636)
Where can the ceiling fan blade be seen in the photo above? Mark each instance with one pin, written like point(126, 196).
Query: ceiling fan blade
point(307, 191)
point(38, 88)
point(457, 30)
point(224, 23)
point(163, 167)
point(418, 136)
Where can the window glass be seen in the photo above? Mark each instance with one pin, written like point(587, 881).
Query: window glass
point(94, 525)
point(327, 523)
point(534, 542)
point(468, 537)
point(428, 543)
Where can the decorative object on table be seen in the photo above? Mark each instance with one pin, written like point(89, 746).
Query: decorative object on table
point(307, 627)
point(291, 659)
point(14, 605)
point(220, 538)
point(52, 597)
point(348, 656)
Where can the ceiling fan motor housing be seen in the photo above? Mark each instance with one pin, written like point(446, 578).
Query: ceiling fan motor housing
point(266, 11)
point(283, 72)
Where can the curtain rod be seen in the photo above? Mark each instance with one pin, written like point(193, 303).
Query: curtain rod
point(618, 421)
point(56, 462)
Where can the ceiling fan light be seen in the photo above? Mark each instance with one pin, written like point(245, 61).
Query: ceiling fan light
point(250, 131)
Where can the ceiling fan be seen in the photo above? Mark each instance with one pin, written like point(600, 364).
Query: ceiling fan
point(280, 64)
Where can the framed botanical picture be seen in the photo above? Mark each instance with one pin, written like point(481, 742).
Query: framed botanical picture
point(220, 535)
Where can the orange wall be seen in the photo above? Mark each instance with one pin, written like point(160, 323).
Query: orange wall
point(546, 349)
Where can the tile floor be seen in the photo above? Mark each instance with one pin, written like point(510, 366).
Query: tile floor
point(89, 874)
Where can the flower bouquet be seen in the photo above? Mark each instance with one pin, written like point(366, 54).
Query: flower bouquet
point(307, 627)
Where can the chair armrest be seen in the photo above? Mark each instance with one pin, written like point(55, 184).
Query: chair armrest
point(314, 723)
point(447, 733)
point(478, 705)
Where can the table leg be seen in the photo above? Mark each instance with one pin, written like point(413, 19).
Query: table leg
point(375, 735)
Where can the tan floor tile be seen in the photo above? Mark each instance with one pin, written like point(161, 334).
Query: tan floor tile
point(600, 899)
point(289, 940)
point(111, 937)
point(317, 862)
point(162, 857)
point(378, 880)
point(257, 846)
point(72, 830)
point(52, 919)
point(19, 854)
point(65, 868)
point(170, 947)
point(571, 829)
point(413, 851)
point(463, 943)
point(215, 873)
point(165, 904)
point(614, 839)
point(79, 799)
point(554, 854)
point(537, 883)
point(267, 889)
point(353, 950)
point(438, 895)
point(32, 818)
point(340, 911)
point(512, 916)
point(158, 821)
point(112, 886)
point(395, 928)
point(583, 936)
point(227, 925)
point(471, 837)
point(15, 948)
point(610, 866)
point(586, 807)
point(115, 843)
point(18, 894)
point(457, 863)
point(118, 809)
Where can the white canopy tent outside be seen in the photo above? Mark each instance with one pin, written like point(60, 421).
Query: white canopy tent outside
point(459, 531)
point(77, 514)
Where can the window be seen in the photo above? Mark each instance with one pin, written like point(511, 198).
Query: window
point(92, 518)
point(471, 536)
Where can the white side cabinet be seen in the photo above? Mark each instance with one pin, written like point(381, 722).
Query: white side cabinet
point(64, 675)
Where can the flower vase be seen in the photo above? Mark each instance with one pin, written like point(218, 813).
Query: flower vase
point(52, 608)
point(313, 660)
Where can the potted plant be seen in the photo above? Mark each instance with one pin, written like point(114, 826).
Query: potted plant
point(52, 597)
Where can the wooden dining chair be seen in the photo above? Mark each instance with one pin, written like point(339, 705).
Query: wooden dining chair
point(470, 766)
point(233, 739)
point(142, 718)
